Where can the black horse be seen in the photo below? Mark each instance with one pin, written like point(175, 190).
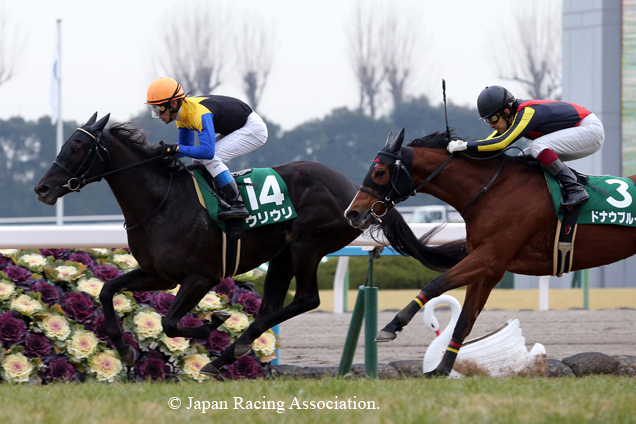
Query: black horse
point(175, 241)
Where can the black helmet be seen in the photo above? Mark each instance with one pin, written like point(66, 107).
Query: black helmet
point(492, 100)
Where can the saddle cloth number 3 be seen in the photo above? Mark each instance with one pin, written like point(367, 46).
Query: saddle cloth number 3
point(270, 193)
point(622, 190)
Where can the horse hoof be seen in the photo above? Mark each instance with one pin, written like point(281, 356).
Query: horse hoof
point(211, 370)
point(435, 374)
point(385, 336)
point(240, 350)
point(221, 315)
point(129, 357)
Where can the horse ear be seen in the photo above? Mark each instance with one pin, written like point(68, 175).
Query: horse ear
point(99, 125)
point(92, 120)
point(388, 139)
point(396, 143)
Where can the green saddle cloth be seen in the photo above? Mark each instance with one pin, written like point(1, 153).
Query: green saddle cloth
point(264, 193)
point(611, 200)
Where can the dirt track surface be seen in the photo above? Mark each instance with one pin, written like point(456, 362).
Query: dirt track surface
point(317, 338)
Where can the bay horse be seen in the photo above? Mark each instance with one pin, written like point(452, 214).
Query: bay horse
point(175, 242)
point(510, 225)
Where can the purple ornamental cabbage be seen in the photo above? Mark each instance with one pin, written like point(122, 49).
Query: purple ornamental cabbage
point(226, 287)
point(12, 328)
point(62, 254)
point(152, 366)
point(129, 339)
point(78, 306)
point(244, 368)
point(99, 327)
point(83, 258)
point(142, 298)
point(190, 321)
point(217, 342)
point(60, 370)
point(17, 274)
point(5, 262)
point(50, 294)
point(37, 346)
point(162, 302)
point(106, 272)
point(251, 303)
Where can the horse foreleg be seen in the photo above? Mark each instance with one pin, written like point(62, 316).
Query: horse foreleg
point(136, 280)
point(476, 297)
point(192, 290)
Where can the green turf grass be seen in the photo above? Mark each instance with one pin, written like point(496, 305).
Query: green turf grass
point(597, 399)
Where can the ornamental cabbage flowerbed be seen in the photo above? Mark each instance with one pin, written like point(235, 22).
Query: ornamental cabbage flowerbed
point(52, 324)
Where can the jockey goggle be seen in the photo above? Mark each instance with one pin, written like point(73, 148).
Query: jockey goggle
point(493, 119)
point(156, 110)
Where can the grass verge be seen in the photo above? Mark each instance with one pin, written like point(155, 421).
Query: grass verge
point(605, 399)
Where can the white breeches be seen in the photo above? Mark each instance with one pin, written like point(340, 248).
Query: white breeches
point(249, 137)
point(571, 143)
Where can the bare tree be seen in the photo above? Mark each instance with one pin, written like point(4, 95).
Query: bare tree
point(254, 57)
point(533, 49)
point(196, 47)
point(11, 47)
point(366, 56)
point(401, 51)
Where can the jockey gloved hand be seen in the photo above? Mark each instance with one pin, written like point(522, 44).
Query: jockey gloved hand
point(457, 146)
point(169, 149)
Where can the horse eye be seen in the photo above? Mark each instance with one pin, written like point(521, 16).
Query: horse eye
point(75, 150)
point(379, 173)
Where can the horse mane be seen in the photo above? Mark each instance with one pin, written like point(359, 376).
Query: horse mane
point(439, 140)
point(133, 137)
point(436, 140)
point(399, 234)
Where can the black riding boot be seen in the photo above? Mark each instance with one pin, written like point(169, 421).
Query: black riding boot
point(233, 198)
point(573, 192)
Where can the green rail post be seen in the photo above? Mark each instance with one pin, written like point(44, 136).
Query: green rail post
point(586, 289)
point(345, 294)
point(352, 336)
point(371, 321)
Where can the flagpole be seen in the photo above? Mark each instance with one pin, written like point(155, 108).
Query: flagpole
point(59, 206)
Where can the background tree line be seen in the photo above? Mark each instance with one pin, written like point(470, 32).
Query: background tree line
point(346, 140)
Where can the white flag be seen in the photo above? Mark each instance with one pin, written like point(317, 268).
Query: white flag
point(56, 77)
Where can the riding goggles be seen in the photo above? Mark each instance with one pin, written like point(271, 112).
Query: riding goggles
point(156, 110)
point(493, 119)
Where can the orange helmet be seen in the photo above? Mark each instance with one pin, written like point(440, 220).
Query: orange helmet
point(163, 90)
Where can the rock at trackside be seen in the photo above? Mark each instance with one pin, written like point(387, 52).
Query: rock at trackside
point(558, 369)
point(385, 372)
point(626, 366)
point(410, 368)
point(590, 363)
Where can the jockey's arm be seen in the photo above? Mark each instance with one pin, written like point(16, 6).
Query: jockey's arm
point(521, 125)
point(207, 139)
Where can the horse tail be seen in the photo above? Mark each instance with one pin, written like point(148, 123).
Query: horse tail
point(400, 236)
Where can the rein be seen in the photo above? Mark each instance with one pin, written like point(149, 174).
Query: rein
point(399, 171)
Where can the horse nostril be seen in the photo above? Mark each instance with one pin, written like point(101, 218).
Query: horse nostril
point(41, 189)
point(352, 215)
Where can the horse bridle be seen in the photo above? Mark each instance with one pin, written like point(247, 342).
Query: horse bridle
point(76, 183)
point(400, 177)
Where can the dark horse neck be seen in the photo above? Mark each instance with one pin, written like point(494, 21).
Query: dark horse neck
point(138, 190)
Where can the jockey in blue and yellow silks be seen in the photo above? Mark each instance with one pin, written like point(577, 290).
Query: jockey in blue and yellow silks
point(558, 130)
point(226, 127)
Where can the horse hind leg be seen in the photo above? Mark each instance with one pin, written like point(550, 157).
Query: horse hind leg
point(476, 297)
point(271, 312)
